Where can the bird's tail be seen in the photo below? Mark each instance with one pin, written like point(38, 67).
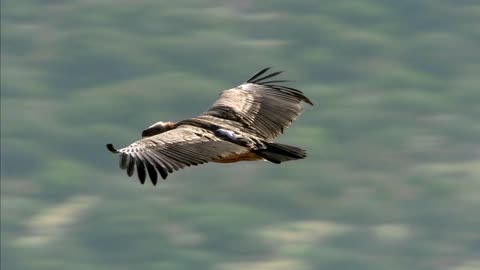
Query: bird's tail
point(278, 153)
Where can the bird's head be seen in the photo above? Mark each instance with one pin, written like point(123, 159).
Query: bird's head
point(158, 128)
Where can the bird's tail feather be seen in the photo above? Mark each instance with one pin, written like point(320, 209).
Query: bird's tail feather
point(278, 153)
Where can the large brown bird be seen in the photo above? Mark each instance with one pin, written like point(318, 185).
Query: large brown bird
point(240, 125)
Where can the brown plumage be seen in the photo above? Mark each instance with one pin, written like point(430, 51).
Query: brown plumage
point(239, 126)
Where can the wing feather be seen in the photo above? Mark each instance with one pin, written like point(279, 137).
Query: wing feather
point(173, 150)
point(264, 107)
point(152, 173)
point(258, 74)
point(123, 161)
point(131, 166)
point(266, 77)
point(140, 169)
point(161, 166)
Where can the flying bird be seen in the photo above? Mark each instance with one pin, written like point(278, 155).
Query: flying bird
point(239, 126)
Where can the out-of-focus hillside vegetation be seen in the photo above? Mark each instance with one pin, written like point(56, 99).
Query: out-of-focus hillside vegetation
point(392, 180)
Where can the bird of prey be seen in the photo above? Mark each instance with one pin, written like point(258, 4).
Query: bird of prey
point(239, 126)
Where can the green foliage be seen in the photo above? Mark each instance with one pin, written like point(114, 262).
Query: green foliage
point(391, 180)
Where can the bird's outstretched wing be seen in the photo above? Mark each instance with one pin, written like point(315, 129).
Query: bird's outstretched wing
point(261, 105)
point(173, 150)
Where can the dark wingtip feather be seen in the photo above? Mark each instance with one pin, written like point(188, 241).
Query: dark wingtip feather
point(130, 166)
point(277, 81)
point(291, 91)
point(256, 75)
point(162, 171)
point(112, 149)
point(307, 100)
point(152, 173)
point(124, 161)
point(259, 80)
point(141, 171)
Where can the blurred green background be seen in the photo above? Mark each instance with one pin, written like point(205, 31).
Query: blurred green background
point(392, 180)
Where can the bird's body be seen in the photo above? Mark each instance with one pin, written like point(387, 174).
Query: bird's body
point(240, 126)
